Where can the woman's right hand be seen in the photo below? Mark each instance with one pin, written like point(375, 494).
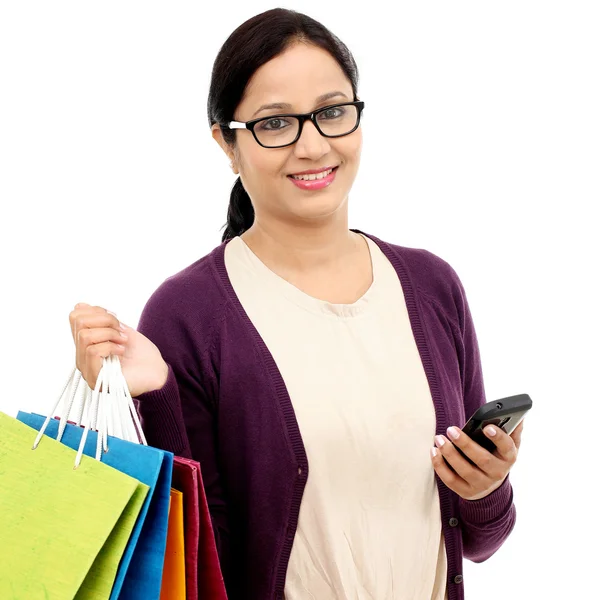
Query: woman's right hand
point(97, 334)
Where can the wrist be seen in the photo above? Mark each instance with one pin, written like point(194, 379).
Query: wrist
point(161, 378)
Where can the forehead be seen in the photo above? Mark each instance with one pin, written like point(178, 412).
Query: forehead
point(297, 76)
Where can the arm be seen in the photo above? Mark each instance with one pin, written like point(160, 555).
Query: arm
point(181, 417)
point(487, 522)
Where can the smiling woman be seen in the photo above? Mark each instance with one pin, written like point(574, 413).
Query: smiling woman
point(308, 366)
point(311, 67)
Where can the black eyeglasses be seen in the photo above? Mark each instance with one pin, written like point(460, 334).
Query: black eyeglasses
point(278, 131)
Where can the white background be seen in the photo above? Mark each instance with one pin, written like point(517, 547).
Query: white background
point(481, 144)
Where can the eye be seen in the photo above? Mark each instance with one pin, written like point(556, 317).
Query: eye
point(273, 124)
point(332, 113)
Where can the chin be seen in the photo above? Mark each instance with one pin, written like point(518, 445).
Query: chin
point(317, 208)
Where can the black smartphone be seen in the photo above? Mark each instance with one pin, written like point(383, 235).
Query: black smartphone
point(505, 413)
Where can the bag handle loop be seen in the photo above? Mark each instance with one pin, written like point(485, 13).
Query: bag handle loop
point(108, 409)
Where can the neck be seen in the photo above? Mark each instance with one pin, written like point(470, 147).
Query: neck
point(303, 249)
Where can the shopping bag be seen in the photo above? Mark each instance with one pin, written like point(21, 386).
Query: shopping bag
point(204, 579)
point(100, 579)
point(140, 573)
point(55, 520)
point(143, 581)
point(210, 578)
point(173, 581)
point(186, 474)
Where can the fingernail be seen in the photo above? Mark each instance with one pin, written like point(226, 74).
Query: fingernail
point(122, 327)
point(491, 431)
point(434, 452)
point(453, 433)
point(111, 313)
point(122, 335)
point(439, 441)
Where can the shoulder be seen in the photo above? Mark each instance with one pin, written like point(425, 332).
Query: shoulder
point(192, 296)
point(432, 276)
point(189, 284)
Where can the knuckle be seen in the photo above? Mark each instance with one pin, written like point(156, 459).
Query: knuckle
point(486, 462)
point(84, 335)
point(462, 442)
point(497, 474)
point(480, 481)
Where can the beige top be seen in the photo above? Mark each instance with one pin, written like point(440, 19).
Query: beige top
point(370, 525)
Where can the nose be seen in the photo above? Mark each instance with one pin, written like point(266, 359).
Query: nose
point(311, 144)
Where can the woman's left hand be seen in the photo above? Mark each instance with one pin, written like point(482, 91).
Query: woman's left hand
point(473, 482)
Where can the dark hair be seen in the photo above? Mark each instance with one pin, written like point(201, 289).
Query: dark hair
point(250, 46)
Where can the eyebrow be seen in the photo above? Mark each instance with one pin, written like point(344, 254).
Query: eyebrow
point(286, 106)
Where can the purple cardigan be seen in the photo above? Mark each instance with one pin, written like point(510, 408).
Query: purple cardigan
point(225, 405)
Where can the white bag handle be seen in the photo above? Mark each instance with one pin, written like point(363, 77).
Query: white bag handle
point(108, 409)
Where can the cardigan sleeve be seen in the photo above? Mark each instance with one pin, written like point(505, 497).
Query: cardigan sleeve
point(487, 522)
point(181, 416)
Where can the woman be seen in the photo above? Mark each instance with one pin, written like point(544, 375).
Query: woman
point(307, 366)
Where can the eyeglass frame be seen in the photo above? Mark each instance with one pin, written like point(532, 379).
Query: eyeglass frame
point(302, 118)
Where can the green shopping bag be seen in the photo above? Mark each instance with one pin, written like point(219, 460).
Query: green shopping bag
point(60, 527)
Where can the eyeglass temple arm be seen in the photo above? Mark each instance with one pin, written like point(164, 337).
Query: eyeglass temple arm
point(236, 125)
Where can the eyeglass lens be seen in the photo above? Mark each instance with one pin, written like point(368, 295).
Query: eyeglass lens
point(279, 131)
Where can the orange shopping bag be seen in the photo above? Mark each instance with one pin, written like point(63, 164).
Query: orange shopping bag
point(173, 581)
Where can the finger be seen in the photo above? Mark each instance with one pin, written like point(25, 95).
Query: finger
point(89, 308)
point(516, 434)
point(90, 318)
point(467, 471)
point(89, 337)
point(445, 473)
point(505, 445)
point(97, 335)
point(79, 312)
point(94, 355)
point(488, 463)
point(104, 350)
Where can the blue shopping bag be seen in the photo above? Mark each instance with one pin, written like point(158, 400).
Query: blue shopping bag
point(140, 572)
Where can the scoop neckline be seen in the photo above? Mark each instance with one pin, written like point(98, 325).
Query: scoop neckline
point(310, 303)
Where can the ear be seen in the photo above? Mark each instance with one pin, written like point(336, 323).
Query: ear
point(217, 135)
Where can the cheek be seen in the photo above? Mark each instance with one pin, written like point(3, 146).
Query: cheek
point(261, 167)
point(351, 150)
point(357, 144)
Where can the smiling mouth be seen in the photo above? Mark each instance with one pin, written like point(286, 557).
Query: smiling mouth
point(313, 176)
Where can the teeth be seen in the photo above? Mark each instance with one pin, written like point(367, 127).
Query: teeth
point(313, 176)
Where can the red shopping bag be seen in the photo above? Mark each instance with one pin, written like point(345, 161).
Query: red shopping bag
point(204, 580)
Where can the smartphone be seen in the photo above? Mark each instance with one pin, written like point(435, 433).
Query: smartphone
point(505, 413)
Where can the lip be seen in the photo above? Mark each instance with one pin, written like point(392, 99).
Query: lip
point(316, 184)
point(314, 171)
